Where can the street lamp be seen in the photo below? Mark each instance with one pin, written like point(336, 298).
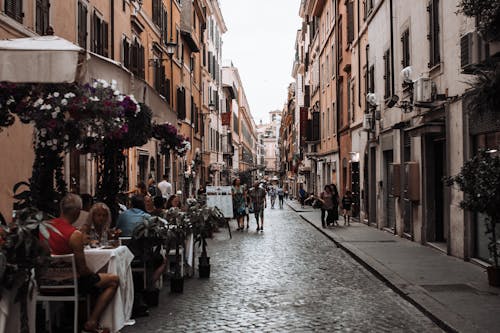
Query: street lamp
point(171, 47)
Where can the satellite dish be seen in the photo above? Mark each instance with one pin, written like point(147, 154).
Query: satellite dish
point(406, 74)
point(371, 98)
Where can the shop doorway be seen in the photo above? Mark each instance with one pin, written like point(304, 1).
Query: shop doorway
point(389, 200)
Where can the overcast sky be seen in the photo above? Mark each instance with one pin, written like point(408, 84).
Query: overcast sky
point(260, 42)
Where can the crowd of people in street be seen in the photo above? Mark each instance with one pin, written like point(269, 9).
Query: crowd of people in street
point(253, 200)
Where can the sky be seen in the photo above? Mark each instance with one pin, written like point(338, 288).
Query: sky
point(260, 41)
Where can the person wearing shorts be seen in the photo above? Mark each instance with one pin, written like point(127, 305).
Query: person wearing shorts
point(258, 199)
point(347, 207)
point(64, 238)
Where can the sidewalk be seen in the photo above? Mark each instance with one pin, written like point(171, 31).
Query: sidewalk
point(454, 293)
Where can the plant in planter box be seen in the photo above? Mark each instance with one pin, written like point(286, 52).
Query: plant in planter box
point(179, 225)
point(147, 240)
point(21, 252)
point(479, 179)
point(204, 221)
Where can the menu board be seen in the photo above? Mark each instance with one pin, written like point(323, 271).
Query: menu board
point(220, 197)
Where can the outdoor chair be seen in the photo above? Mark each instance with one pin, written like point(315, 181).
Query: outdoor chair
point(60, 284)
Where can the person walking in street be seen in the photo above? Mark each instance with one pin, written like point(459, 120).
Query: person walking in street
point(258, 198)
point(327, 200)
point(165, 187)
point(302, 196)
point(347, 207)
point(286, 194)
point(239, 203)
point(336, 200)
point(272, 195)
point(281, 194)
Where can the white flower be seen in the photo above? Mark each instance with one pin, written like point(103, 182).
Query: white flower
point(54, 114)
point(10, 101)
point(120, 98)
point(49, 143)
point(117, 92)
point(113, 84)
point(66, 137)
point(54, 148)
point(94, 98)
point(46, 107)
point(56, 94)
point(64, 101)
point(43, 132)
point(54, 141)
point(69, 95)
point(38, 102)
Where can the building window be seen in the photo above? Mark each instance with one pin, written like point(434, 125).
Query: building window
point(371, 79)
point(159, 76)
point(350, 22)
point(126, 53)
point(433, 36)
point(42, 16)
point(340, 101)
point(333, 60)
point(157, 13)
point(137, 59)
point(82, 25)
point(349, 101)
point(164, 30)
point(100, 40)
point(14, 9)
point(181, 103)
point(405, 43)
point(387, 74)
point(334, 122)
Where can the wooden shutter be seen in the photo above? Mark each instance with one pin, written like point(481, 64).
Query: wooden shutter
point(167, 90)
point(181, 104)
point(405, 43)
point(387, 74)
point(82, 25)
point(14, 9)
point(105, 39)
point(39, 18)
point(141, 61)
point(165, 26)
point(350, 21)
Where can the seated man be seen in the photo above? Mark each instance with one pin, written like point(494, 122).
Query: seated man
point(70, 240)
point(132, 217)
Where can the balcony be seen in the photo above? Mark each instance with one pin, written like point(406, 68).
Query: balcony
point(187, 25)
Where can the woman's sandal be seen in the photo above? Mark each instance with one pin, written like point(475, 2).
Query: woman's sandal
point(96, 330)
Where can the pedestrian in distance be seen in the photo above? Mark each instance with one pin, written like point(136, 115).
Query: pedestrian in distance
point(336, 200)
point(286, 194)
point(302, 196)
point(328, 207)
point(272, 195)
point(165, 187)
point(239, 203)
point(258, 199)
point(281, 195)
point(347, 207)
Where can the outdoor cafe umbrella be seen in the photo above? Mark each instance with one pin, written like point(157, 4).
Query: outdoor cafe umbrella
point(44, 59)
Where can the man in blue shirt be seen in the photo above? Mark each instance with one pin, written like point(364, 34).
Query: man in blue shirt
point(132, 217)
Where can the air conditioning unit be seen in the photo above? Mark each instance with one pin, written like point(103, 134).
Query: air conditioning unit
point(472, 52)
point(422, 90)
point(367, 121)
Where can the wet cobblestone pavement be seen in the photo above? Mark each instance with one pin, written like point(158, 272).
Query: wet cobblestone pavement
point(289, 278)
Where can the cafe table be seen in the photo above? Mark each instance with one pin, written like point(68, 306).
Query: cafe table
point(115, 261)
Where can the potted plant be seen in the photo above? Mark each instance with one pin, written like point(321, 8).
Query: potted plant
point(479, 179)
point(21, 253)
point(179, 225)
point(205, 221)
point(147, 239)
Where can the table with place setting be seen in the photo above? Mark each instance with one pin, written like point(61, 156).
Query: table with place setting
point(117, 261)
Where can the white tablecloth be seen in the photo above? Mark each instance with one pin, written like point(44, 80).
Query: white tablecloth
point(10, 313)
point(118, 261)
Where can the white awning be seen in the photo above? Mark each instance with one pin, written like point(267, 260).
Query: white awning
point(45, 59)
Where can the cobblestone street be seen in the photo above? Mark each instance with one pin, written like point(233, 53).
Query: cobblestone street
point(290, 278)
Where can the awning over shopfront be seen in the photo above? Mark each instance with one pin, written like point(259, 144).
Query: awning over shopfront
point(45, 59)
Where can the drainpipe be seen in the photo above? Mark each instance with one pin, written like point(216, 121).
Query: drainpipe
point(359, 58)
point(112, 29)
point(337, 70)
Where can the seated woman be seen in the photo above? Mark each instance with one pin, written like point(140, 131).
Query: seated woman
point(98, 223)
point(174, 201)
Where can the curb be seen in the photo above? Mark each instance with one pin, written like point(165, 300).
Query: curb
point(382, 274)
